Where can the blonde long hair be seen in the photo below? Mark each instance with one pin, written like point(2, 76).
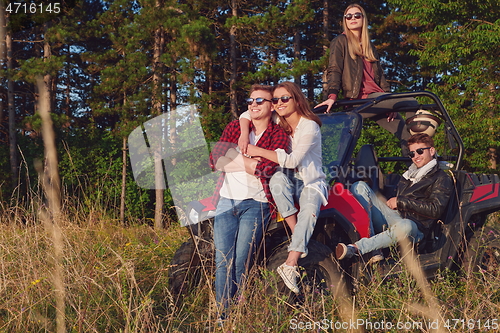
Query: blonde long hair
point(365, 49)
point(303, 107)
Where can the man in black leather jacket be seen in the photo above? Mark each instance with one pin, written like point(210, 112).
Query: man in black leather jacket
point(422, 197)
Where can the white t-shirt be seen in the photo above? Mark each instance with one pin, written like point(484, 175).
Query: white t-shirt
point(241, 185)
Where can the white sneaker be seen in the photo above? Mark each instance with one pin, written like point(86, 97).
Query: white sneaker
point(289, 274)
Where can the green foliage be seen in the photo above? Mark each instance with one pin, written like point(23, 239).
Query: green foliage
point(460, 47)
point(103, 72)
point(95, 175)
point(33, 68)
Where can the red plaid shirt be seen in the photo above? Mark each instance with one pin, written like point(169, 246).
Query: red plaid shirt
point(274, 137)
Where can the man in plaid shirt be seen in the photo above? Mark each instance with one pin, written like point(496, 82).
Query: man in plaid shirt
point(242, 196)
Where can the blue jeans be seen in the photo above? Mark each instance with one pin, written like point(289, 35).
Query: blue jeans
point(238, 228)
point(286, 190)
point(381, 217)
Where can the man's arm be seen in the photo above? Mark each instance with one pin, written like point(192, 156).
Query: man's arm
point(227, 140)
point(235, 162)
point(311, 136)
point(278, 140)
point(432, 207)
point(264, 153)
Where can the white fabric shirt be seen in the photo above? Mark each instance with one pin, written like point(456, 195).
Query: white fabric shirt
point(241, 185)
point(306, 155)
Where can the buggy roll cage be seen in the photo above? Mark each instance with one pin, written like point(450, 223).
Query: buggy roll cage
point(436, 108)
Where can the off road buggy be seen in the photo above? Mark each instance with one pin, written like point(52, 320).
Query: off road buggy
point(460, 239)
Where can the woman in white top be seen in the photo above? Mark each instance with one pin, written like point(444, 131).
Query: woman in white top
point(301, 178)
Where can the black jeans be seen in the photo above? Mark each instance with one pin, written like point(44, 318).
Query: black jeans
point(378, 113)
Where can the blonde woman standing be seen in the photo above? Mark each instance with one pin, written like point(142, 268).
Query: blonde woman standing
point(354, 68)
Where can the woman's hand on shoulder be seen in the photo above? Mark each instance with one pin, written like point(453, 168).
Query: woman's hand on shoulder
point(391, 116)
point(329, 102)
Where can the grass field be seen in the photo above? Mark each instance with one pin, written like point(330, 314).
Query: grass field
point(115, 279)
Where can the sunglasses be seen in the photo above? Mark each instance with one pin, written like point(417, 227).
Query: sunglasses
point(284, 99)
point(419, 151)
point(357, 16)
point(258, 100)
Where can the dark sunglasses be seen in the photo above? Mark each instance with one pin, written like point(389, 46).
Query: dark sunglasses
point(357, 16)
point(284, 99)
point(258, 100)
point(419, 151)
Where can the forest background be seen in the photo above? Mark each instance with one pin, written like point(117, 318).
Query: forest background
point(109, 66)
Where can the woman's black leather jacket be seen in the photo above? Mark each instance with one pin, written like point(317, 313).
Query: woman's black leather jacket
point(347, 74)
point(426, 201)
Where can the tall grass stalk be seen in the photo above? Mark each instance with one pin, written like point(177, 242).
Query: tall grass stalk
point(52, 188)
point(431, 311)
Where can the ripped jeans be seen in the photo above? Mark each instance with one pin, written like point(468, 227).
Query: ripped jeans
point(381, 216)
point(238, 228)
point(288, 189)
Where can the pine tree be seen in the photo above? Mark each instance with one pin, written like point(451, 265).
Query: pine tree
point(459, 45)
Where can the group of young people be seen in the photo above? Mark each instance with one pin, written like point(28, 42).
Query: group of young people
point(271, 160)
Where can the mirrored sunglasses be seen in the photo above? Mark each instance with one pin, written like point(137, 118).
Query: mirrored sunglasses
point(258, 100)
point(284, 99)
point(357, 16)
point(419, 151)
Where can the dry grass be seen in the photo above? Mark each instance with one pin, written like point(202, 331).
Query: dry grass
point(116, 281)
point(115, 278)
point(74, 268)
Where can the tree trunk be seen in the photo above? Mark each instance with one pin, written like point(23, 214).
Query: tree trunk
point(326, 37)
point(296, 51)
point(3, 17)
point(234, 69)
point(52, 188)
point(159, 192)
point(124, 169)
point(2, 58)
point(47, 78)
point(157, 101)
point(14, 164)
point(124, 180)
point(173, 111)
point(68, 85)
point(52, 184)
point(492, 151)
point(172, 135)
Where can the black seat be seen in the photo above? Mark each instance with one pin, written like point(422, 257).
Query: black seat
point(366, 167)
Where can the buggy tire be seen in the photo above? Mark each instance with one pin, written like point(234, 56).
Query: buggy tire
point(190, 267)
point(483, 252)
point(319, 272)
